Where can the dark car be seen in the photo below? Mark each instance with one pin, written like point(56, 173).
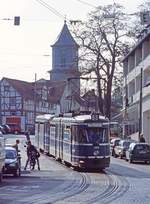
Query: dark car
point(2, 129)
point(120, 149)
point(12, 162)
point(6, 129)
point(138, 152)
point(114, 142)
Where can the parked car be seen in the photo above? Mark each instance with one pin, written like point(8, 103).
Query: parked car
point(138, 152)
point(2, 155)
point(12, 162)
point(120, 149)
point(114, 142)
point(2, 129)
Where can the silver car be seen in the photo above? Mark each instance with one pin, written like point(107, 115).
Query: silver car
point(12, 162)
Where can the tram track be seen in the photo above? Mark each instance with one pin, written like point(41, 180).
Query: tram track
point(75, 183)
point(82, 187)
point(77, 188)
point(116, 187)
point(113, 188)
point(63, 192)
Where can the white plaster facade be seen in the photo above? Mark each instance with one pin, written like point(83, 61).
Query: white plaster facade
point(137, 71)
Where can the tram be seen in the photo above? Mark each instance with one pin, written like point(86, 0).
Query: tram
point(82, 141)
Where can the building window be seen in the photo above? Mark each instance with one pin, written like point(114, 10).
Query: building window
point(44, 94)
point(13, 113)
point(6, 88)
point(12, 101)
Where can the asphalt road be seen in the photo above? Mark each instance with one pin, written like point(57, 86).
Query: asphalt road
point(121, 183)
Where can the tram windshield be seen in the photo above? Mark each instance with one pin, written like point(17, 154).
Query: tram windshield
point(90, 135)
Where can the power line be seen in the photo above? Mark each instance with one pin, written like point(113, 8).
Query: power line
point(86, 3)
point(54, 11)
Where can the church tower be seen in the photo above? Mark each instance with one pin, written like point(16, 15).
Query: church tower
point(65, 68)
point(64, 57)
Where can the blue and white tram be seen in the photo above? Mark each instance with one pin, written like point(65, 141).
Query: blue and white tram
point(42, 132)
point(81, 141)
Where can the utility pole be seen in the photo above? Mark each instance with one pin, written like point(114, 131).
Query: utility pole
point(35, 99)
point(84, 78)
point(0, 104)
point(140, 103)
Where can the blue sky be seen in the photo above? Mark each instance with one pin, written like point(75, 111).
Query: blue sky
point(25, 49)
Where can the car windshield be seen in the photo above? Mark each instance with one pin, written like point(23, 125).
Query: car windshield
point(11, 154)
point(117, 142)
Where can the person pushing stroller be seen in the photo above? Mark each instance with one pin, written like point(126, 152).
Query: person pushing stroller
point(32, 152)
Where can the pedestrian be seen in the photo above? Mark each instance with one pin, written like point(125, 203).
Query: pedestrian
point(142, 139)
point(31, 149)
point(27, 136)
point(16, 145)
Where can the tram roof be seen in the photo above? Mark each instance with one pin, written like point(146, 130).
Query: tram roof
point(79, 118)
point(87, 117)
point(68, 118)
point(44, 117)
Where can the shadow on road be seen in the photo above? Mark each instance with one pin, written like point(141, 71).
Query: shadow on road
point(127, 171)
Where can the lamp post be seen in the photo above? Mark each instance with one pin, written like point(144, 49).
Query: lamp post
point(140, 103)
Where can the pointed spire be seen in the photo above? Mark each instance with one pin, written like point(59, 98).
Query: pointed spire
point(65, 37)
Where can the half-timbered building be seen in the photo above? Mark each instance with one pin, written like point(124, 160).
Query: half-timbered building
point(21, 101)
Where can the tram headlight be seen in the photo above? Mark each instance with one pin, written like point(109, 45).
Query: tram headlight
point(96, 152)
point(81, 162)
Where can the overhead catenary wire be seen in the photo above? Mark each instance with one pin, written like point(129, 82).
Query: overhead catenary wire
point(86, 3)
point(54, 11)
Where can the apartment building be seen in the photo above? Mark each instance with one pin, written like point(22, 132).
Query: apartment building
point(136, 89)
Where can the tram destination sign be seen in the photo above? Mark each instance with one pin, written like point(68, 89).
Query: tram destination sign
point(94, 116)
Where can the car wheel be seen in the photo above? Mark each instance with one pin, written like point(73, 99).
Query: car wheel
point(115, 155)
point(17, 173)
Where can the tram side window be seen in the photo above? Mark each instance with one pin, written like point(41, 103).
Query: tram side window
point(52, 132)
point(74, 133)
point(79, 134)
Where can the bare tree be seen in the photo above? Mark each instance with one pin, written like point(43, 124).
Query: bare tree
point(103, 39)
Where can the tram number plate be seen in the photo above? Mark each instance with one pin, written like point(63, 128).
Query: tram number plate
point(95, 116)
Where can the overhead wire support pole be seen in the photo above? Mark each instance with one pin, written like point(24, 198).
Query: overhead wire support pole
point(35, 98)
point(140, 102)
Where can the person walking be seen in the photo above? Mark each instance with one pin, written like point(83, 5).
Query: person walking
point(31, 150)
point(142, 139)
point(16, 145)
point(27, 136)
point(17, 150)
